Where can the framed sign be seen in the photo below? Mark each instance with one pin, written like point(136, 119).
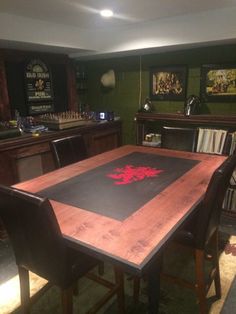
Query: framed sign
point(168, 83)
point(38, 81)
point(218, 83)
point(38, 108)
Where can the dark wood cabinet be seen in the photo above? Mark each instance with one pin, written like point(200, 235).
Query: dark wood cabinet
point(153, 122)
point(103, 141)
point(26, 157)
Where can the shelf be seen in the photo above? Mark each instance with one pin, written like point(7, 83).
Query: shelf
point(146, 121)
point(214, 120)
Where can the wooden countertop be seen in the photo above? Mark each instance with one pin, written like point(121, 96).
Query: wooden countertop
point(27, 139)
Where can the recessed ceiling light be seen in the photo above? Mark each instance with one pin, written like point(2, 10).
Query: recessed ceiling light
point(106, 13)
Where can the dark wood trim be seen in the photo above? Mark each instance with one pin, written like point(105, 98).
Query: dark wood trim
point(174, 118)
point(143, 121)
point(27, 139)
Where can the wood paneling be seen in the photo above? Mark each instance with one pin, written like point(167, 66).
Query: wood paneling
point(103, 141)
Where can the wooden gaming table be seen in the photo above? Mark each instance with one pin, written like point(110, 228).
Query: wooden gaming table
point(123, 206)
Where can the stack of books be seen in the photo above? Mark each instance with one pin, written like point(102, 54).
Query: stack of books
point(215, 141)
point(211, 141)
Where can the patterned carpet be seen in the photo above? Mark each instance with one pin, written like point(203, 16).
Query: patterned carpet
point(173, 299)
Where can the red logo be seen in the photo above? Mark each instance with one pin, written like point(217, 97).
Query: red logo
point(130, 174)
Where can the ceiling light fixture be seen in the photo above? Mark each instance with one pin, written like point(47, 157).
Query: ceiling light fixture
point(106, 13)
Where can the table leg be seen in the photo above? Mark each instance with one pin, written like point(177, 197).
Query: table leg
point(153, 278)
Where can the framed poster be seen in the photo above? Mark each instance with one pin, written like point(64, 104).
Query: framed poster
point(218, 83)
point(168, 83)
point(38, 83)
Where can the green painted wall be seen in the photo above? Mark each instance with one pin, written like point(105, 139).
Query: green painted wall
point(124, 98)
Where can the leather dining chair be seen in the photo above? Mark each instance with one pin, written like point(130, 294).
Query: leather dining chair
point(179, 138)
point(200, 235)
point(68, 150)
point(39, 247)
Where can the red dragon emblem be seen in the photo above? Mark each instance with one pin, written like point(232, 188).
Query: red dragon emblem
point(130, 174)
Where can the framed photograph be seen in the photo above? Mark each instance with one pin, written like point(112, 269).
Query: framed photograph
point(168, 83)
point(218, 83)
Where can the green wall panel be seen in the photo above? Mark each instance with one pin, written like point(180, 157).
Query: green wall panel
point(124, 98)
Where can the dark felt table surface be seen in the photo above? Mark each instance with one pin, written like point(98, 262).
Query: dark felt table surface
point(119, 188)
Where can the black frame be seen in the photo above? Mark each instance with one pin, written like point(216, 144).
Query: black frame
point(30, 82)
point(172, 82)
point(40, 104)
point(218, 83)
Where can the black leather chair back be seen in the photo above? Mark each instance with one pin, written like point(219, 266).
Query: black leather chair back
point(34, 234)
point(211, 207)
point(68, 150)
point(179, 138)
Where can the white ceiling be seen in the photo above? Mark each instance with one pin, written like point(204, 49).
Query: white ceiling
point(75, 27)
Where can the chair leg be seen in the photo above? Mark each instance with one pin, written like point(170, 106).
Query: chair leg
point(24, 289)
point(119, 278)
point(136, 289)
point(200, 281)
point(216, 264)
point(67, 300)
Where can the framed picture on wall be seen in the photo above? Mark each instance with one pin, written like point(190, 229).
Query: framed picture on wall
point(38, 87)
point(218, 83)
point(168, 83)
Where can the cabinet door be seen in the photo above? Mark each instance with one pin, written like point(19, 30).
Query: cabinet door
point(105, 140)
point(33, 161)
